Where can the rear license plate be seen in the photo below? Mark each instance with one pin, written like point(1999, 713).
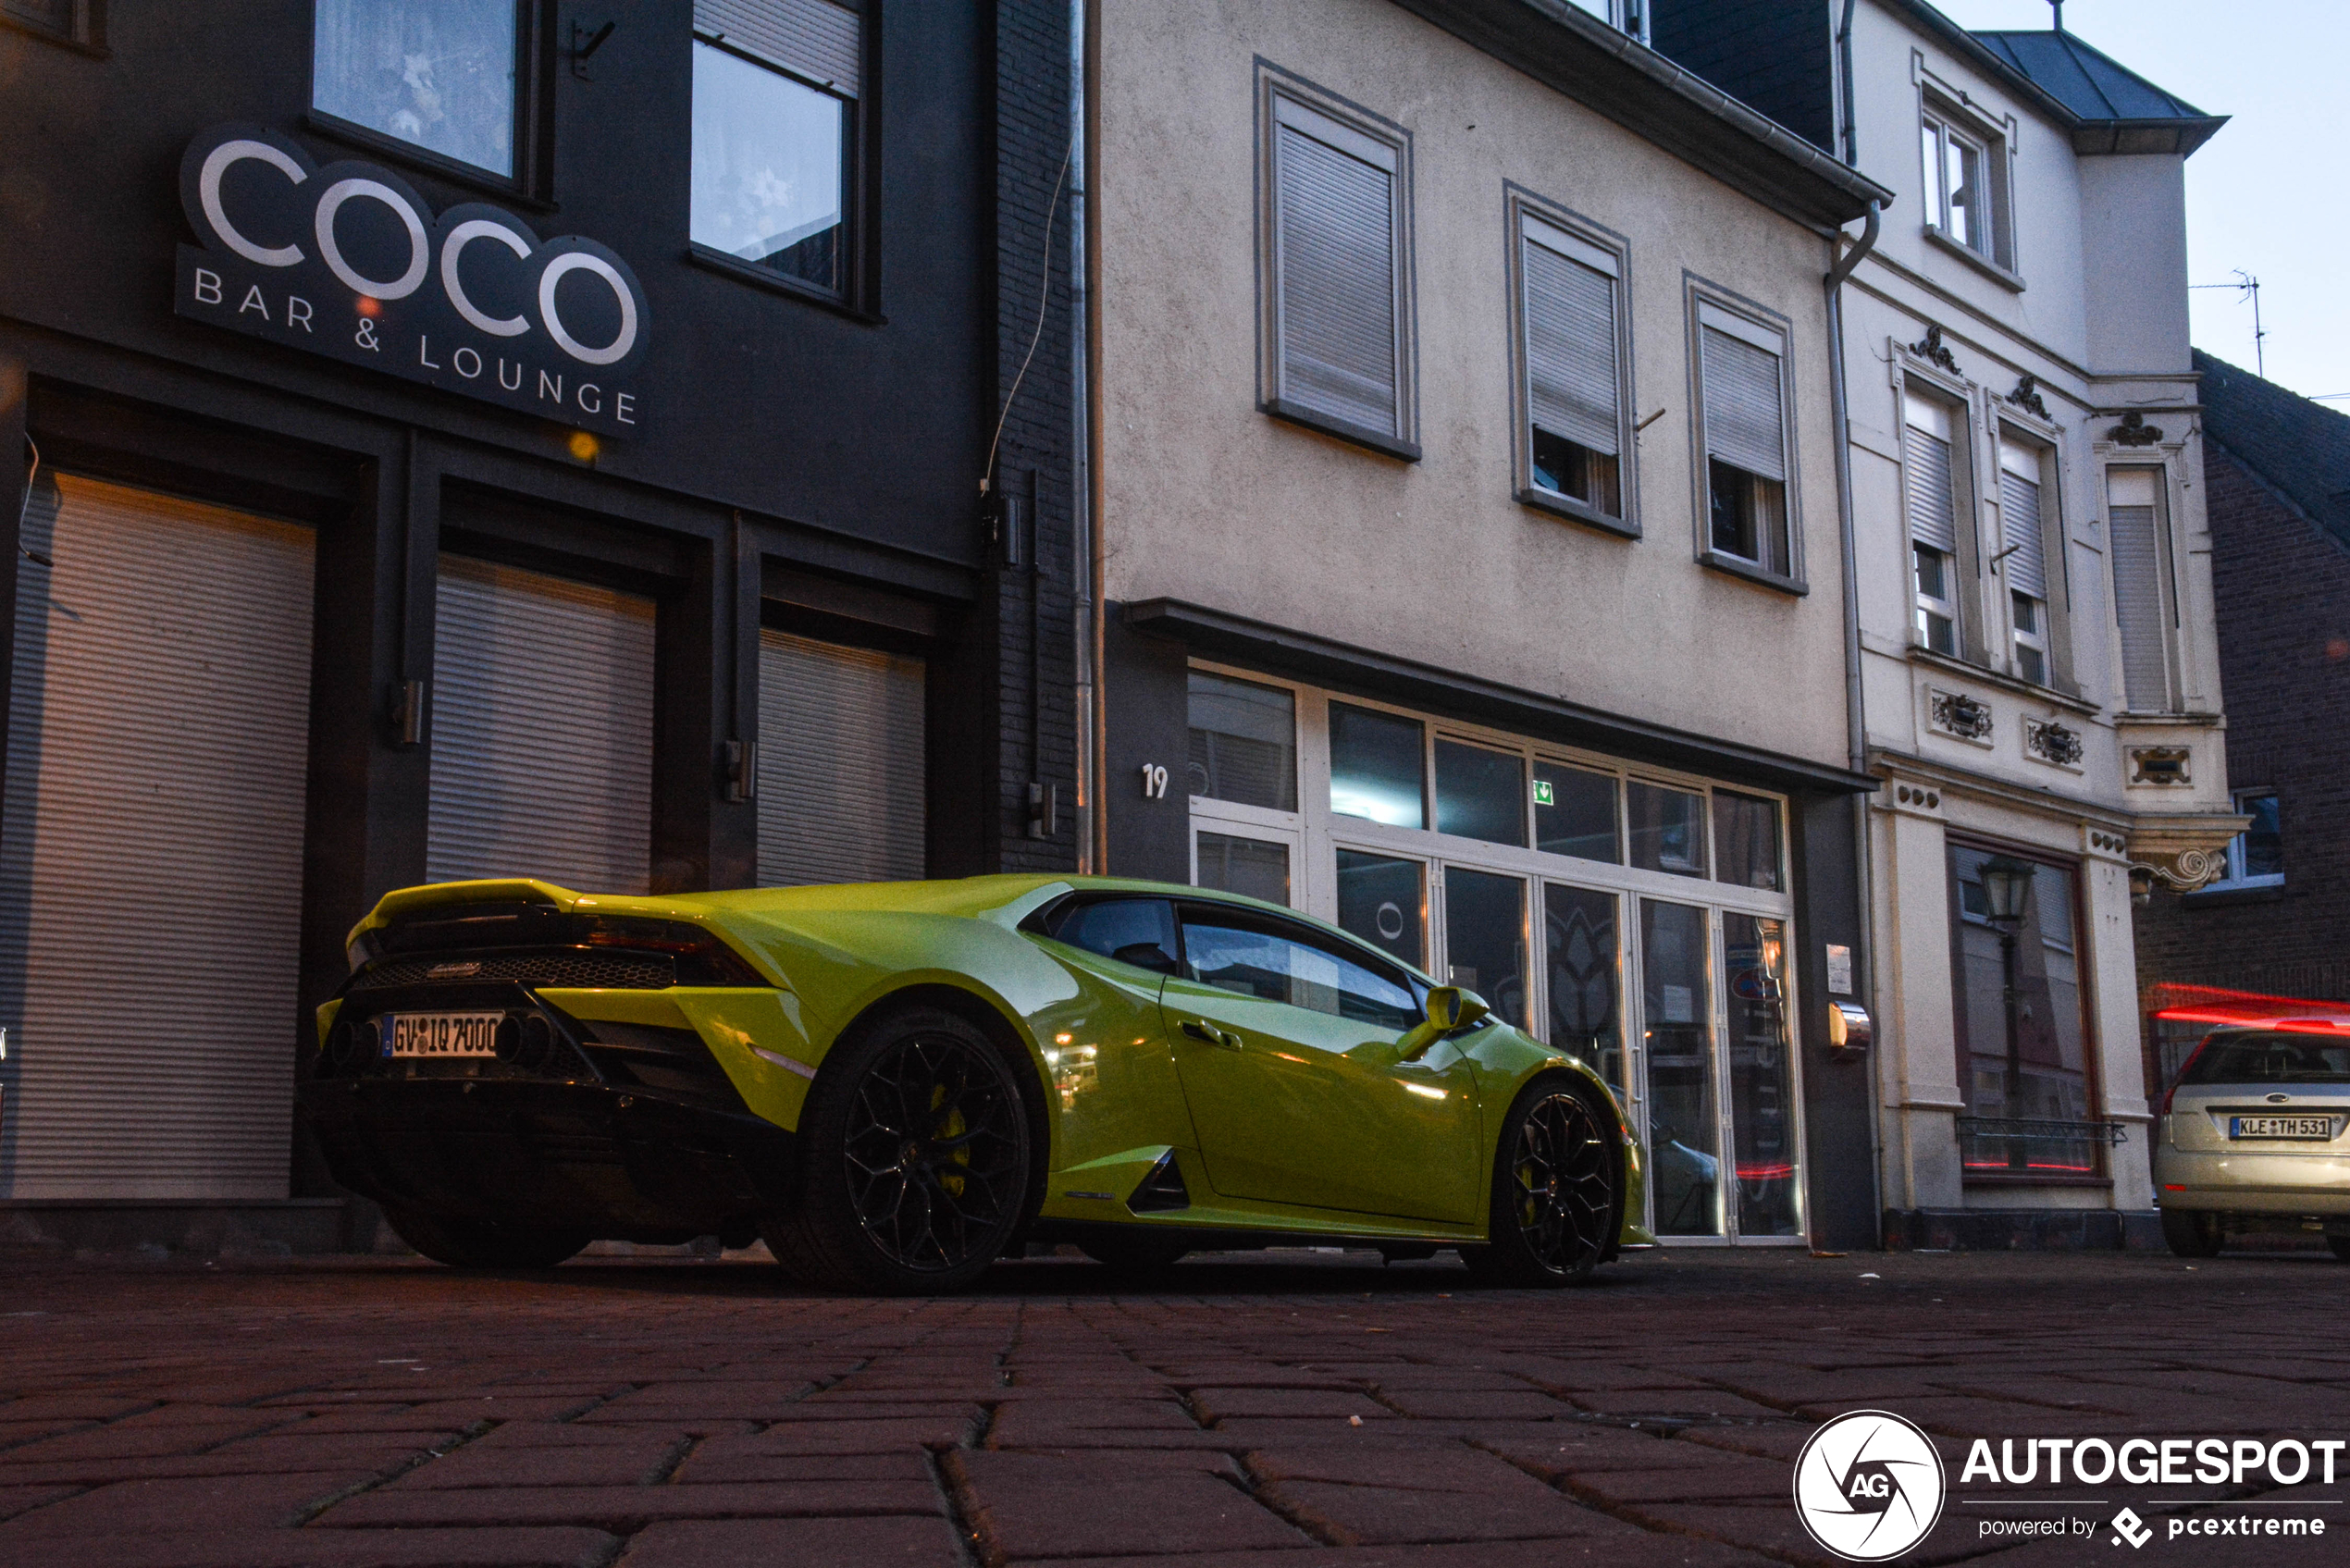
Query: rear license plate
point(445, 1034)
point(2318, 1128)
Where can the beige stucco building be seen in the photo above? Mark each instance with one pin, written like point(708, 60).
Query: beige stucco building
point(1469, 560)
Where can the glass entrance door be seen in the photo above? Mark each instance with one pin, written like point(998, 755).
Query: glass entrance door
point(1763, 1144)
point(1684, 1121)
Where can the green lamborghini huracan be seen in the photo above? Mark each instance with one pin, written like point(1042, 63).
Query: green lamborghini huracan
point(896, 1083)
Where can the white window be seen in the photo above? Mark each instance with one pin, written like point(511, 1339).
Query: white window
point(1742, 382)
point(1931, 478)
point(439, 76)
point(2256, 856)
point(1574, 400)
point(775, 86)
point(1337, 292)
point(1964, 182)
point(2141, 596)
point(2024, 557)
point(1628, 15)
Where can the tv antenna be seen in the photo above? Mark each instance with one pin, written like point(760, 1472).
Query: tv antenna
point(2248, 288)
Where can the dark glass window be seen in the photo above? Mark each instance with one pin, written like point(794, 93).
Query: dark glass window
point(1384, 901)
point(1685, 1128)
point(1480, 793)
point(1484, 938)
point(1763, 1109)
point(1250, 866)
point(1375, 769)
point(2261, 852)
point(1575, 813)
point(1243, 745)
point(770, 169)
point(1668, 829)
point(2032, 1066)
point(1277, 964)
point(1133, 930)
point(2279, 1057)
point(439, 74)
point(1750, 517)
point(1746, 840)
point(1586, 1015)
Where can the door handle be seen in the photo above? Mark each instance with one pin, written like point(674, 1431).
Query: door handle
point(1210, 1034)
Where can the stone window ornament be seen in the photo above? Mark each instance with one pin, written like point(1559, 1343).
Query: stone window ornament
point(2052, 742)
point(2159, 765)
point(1968, 718)
point(2026, 397)
point(2134, 432)
point(1932, 350)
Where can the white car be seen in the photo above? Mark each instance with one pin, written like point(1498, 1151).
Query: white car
point(2255, 1136)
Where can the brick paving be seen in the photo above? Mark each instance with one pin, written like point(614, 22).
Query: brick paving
point(1308, 1411)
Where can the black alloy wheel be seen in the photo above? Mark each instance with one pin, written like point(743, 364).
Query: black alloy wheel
point(1557, 1201)
point(484, 1243)
point(917, 1160)
point(2192, 1233)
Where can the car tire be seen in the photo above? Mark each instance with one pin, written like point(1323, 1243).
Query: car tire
point(917, 1149)
point(2341, 1245)
point(2192, 1233)
point(484, 1243)
point(1136, 1254)
point(1558, 1190)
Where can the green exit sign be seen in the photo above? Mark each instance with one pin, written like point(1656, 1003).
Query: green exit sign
point(1542, 793)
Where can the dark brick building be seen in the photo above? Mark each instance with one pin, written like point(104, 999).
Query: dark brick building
point(2275, 928)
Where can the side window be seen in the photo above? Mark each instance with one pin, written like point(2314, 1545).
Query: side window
point(776, 90)
point(1336, 231)
point(1140, 932)
point(1742, 389)
point(1275, 962)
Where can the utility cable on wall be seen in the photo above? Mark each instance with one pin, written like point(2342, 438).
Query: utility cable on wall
point(1044, 304)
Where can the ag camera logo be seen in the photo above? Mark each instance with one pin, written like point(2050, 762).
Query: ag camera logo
point(1869, 1486)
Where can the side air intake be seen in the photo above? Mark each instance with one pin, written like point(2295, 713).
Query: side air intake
point(1162, 1189)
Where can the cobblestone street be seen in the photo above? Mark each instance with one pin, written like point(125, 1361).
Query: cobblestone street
point(1307, 1410)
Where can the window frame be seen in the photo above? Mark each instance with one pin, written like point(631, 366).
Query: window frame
point(857, 296)
point(2056, 631)
point(1522, 207)
point(1963, 599)
point(1711, 306)
point(1944, 114)
point(532, 182)
point(2166, 584)
point(85, 28)
point(1274, 88)
point(2236, 879)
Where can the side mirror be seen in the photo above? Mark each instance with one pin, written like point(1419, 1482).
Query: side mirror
point(1449, 1008)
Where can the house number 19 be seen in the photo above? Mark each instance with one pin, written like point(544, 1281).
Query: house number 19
point(1154, 782)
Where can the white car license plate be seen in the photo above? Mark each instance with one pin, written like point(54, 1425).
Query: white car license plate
point(445, 1034)
point(2319, 1127)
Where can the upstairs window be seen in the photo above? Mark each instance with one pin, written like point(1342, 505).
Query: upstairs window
point(1966, 186)
point(1743, 389)
point(2143, 604)
point(437, 74)
point(776, 90)
point(1628, 16)
point(1931, 480)
point(2256, 856)
point(1337, 321)
point(1574, 402)
point(2023, 553)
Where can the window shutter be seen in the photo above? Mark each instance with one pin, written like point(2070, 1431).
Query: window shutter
point(1336, 301)
point(1933, 510)
point(818, 38)
point(841, 772)
point(1745, 424)
point(2137, 607)
point(1570, 349)
point(2020, 521)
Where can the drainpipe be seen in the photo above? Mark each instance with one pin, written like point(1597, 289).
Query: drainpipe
point(1085, 565)
point(1856, 718)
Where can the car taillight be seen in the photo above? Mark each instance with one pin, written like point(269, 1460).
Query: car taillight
point(702, 959)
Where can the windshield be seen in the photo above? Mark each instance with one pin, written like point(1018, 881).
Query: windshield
point(2270, 1058)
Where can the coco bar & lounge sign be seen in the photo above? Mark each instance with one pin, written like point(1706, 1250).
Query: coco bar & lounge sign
point(347, 261)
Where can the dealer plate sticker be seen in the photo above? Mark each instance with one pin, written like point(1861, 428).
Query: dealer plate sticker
point(445, 1034)
point(2318, 1127)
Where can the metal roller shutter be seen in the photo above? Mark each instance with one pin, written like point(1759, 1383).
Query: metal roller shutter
point(1932, 514)
point(1744, 422)
point(1337, 276)
point(151, 848)
point(2139, 606)
point(1570, 348)
point(842, 778)
point(542, 730)
point(2019, 521)
point(816, 38)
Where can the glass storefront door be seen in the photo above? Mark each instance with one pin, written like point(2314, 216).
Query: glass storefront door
point(1685, 1123)
point(1761, 1074)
